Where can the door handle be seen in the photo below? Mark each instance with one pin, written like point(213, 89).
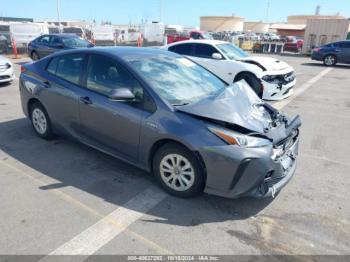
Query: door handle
point(86, 100)
point(47, 84)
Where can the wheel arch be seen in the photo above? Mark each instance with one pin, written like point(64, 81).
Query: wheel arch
point(237, 77)
point(30, 103)
point(158, 144)
point(333, 54)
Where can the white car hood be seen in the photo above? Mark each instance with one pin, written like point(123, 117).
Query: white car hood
point(270, 64)
point(4, 60)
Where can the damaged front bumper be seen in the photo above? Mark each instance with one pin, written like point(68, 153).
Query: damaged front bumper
point(235, 172)
point(280, 88)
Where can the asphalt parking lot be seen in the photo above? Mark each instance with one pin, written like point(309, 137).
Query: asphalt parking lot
point(61, 197)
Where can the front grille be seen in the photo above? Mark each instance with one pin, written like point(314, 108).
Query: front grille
point(4, 77)
point(3, 68)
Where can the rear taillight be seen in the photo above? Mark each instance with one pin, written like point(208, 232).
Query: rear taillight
point(317, 49)
point(23, 69)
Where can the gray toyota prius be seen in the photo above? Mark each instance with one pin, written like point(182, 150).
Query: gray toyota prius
point(165, 114)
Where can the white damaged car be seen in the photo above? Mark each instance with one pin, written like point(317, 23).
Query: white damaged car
point(6, 70)
point(270, 78)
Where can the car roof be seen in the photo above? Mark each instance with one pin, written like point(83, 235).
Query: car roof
point(63, 35)
point(121, 51)
point(202, 41)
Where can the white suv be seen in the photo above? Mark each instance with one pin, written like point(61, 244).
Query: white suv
point(270, 78)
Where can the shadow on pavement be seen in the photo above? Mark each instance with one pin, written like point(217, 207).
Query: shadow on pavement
point(75, 165)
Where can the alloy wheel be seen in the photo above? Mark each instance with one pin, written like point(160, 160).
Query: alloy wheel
point(329, 60)
point(177, 172)
point(39, 121)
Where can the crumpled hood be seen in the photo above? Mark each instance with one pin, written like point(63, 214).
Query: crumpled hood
point(237, 104)
point(270, 64)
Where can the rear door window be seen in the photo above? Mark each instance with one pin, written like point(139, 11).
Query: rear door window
point(55, 40)
point(44, 40)
point(182, 49)
point(68, 67)
point(204, 50)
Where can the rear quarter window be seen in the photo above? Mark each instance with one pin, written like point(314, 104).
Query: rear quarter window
point(52, 66)
point(182, 49)
point(67, 67)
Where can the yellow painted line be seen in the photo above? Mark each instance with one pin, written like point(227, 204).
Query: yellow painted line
point(108, 219)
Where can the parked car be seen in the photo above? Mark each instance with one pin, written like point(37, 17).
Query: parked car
point(165, 114)
point(188, 35)
point(333, 53)
point(5, 38)
point(6, 70)
point(270, 78)
point(48, 44)
point(270, 37)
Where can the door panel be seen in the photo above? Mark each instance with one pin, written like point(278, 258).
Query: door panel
point(111, 125)
point(43, 46)
point(60, 92)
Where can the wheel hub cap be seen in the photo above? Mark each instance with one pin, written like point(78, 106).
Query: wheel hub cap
point(177, 172)
point(39, 121)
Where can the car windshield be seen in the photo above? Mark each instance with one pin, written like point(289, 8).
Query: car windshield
point(177, 79)
point(232, 51)
point(75, 42)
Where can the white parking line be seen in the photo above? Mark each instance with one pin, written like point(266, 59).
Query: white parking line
point(93, 238)
point(302, 89)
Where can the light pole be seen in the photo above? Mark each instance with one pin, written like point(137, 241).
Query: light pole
point(160, 10)
point(267, 11)
point(58, 13)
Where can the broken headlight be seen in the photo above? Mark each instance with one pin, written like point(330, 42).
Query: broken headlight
point(235, 138)
point(269, 78)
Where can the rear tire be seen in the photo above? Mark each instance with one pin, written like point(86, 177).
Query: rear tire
point(330, 60)
point(41, 121)
point(253, 81)
point(34, 56)
point(178, 171)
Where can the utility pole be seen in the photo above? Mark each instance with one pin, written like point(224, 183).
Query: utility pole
point(160, 6)
point(58, 11)
point(267, 11)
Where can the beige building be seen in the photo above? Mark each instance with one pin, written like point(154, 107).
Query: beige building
point(221, 23)
point(322, 31)
point(302, 19)
point(256, 27)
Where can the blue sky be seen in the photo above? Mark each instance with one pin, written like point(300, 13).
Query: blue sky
point(185, 12)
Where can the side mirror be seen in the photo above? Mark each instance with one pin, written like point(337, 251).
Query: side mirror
point(217, 56)
point(121, 95)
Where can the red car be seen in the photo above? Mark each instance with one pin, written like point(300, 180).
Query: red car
point(192, 35)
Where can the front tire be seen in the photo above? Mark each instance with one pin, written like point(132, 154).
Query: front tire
point(253, 81)
point(330, 60)
point(178, 171)
point(41, 121)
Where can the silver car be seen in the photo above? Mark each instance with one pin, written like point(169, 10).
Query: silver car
point(165, 114)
